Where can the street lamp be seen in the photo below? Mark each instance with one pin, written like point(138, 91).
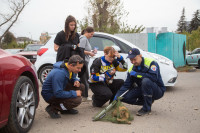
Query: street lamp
point(30, 36)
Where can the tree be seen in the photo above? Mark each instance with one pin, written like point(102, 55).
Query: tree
point(182, 23)
point(125, 28)
point(8, 38)
point(195, 22)
point(107, 16)
point(8, 20)
point(193, 40)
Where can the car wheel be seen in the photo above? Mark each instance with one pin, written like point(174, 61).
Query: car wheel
point(44, 72)
point(22, 108)
point(199, 63)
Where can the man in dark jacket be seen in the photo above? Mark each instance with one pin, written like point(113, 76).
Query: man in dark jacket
point(144, 81)
point(61, 89)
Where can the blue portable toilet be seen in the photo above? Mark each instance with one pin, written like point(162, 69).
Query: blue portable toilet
point(170, 45)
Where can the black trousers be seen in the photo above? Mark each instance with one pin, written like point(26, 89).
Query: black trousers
point(84, 79)
point(104, 92)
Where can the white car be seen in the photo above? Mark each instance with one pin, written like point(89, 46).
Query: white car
point(46, 57)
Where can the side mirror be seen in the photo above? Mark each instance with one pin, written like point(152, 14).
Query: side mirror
point(21, 50)
point(117, 48)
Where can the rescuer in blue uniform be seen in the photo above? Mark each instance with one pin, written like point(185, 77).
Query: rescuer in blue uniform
point(144, 81)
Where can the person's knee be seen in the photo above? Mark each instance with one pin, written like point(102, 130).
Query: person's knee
point(72, 103)
point(108, 96)
point(82, 87)
point(146, 82)
point(104, 97)
point(120, 82)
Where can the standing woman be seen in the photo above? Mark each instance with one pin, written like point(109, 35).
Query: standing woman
point(66, 40)
point(85, 44)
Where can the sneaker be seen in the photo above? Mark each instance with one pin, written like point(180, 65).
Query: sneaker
point(89, 99)
point(52, 114)
point(86, 99)
point(70, 111)
point(141, 112)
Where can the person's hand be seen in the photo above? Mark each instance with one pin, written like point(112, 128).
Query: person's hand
point(133, 73)
point(92, 54)
point(78, 93)
point(77, 84)
point(117, 54)
point(94, 51)
point(112, 72)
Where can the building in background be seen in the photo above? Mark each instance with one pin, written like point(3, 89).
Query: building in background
point(156, 30)
point(22, 40)
point(44, 37)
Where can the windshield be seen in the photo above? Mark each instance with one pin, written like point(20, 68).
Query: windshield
point(32, 47)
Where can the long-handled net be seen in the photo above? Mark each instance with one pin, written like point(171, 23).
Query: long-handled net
point(115, 112)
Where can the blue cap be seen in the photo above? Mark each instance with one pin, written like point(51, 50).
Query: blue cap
point(133, 53)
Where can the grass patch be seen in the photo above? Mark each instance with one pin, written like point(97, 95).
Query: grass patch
point(186, 69)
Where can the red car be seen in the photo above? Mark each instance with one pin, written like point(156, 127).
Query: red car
point(19, 93)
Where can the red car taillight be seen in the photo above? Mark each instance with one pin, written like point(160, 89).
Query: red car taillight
point(41, 51)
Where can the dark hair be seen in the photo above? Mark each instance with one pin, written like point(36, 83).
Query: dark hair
point(74, 59)
point(88, 29)
point(69, 19)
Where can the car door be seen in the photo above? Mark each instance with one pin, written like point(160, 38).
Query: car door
point(100, 42)
point(196, 56)
point(1, 92)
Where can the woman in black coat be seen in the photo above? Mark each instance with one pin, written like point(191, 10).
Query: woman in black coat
point(67, 41)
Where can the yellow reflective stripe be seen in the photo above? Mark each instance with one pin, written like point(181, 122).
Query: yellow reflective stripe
point(120, 69)
point(130, 69)
point(139, 76)
point(147, 62)
point(97, 74)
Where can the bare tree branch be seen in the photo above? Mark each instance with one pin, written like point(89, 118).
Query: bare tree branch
point(17, 7)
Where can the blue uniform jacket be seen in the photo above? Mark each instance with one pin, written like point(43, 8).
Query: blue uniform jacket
point(56, 82)
point(148, 69)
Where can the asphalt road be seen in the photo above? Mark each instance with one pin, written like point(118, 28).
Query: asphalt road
point(177, 112)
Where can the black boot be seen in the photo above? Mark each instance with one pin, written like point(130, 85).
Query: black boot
point(70, 111)
point(53, 114)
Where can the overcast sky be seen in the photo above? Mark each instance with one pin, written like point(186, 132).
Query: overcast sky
point(49, 15)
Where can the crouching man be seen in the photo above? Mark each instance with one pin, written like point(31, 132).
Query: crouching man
point(102, 82)
point(61, 89)
point(144, 81)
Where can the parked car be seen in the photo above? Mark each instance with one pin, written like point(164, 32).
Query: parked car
point(187, 52)
point(19, 93)
point(46, 57)
point(13, 51)
point(30, 52)
point(193, 58)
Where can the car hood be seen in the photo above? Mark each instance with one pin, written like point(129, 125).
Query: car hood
point(160, 58)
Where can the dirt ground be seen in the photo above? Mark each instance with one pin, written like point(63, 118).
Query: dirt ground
point(177, 112)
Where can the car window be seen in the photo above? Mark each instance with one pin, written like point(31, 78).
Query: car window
point(124, 47)
point(197, 51)
point(101, 42)
point(32, 47)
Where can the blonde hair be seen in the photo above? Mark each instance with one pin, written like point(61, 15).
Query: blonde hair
point(110, 51)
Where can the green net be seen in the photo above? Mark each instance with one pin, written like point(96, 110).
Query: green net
point(118, 113)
